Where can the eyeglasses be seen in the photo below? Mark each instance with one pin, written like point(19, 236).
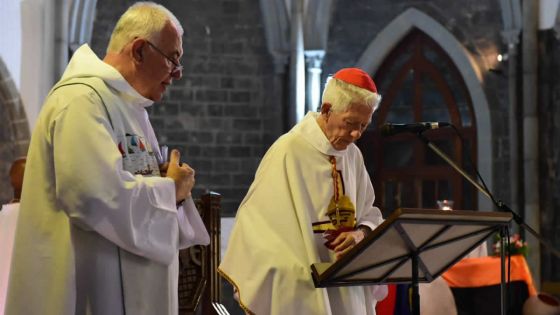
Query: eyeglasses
point(354, 125)
point(176, 65)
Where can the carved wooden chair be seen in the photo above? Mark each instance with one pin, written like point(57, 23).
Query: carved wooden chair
point(199, 281)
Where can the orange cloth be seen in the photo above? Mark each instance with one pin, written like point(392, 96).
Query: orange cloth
point(485, 271)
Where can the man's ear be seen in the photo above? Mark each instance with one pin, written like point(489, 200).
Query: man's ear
point(325, 109)
point(138, 50)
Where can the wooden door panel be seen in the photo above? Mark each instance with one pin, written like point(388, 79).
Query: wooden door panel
point(419, 82)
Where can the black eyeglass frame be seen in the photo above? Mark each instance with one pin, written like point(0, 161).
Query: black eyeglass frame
point(176, 65)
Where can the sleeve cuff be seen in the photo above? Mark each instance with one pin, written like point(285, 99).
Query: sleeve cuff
point(367, 224)
point(162, 193)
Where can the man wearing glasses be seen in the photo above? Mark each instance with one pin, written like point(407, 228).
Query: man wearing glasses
point(103, 214)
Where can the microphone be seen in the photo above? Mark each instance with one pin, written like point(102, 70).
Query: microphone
point(390, 129)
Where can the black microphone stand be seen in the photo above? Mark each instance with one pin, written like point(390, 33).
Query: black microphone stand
point(500, 205)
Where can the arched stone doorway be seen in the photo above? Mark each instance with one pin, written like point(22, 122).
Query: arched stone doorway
point(420, 83)
point(469, 70)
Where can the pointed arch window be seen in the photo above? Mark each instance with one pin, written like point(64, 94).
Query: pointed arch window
point(419, 82)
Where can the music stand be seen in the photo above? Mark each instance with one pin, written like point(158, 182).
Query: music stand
point(411, 246)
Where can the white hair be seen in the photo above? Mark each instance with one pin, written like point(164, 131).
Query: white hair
point(341, 95)
point(142, 19)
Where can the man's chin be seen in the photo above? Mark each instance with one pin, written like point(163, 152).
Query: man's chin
point(156, 97)
point(159, 95)
point(341, 146)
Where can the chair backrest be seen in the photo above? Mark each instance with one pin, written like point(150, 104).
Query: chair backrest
point(199, 282)
point(16, 177)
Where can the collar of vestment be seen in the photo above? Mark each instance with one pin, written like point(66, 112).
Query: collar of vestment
point(85, 63)
point(309, 129)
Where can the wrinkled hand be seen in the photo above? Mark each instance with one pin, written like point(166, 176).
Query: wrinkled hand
point(182, 174)
point(346, 241)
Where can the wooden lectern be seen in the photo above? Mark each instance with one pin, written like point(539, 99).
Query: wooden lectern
point(411, 246)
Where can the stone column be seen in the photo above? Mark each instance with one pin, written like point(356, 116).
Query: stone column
point(531, 211)
point(313, 62)
point(296, 107)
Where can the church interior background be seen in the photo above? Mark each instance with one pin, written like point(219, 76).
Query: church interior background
point(253, 68)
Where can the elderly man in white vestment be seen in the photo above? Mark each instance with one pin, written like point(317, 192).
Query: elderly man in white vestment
point(103, 216)
point(311, 201)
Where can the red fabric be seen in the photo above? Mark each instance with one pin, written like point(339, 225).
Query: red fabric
point(356, 77)
point(486, 271)
point(387, 306)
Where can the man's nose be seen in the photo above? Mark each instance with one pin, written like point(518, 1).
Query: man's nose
point(356, 133)
point(177, 74)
